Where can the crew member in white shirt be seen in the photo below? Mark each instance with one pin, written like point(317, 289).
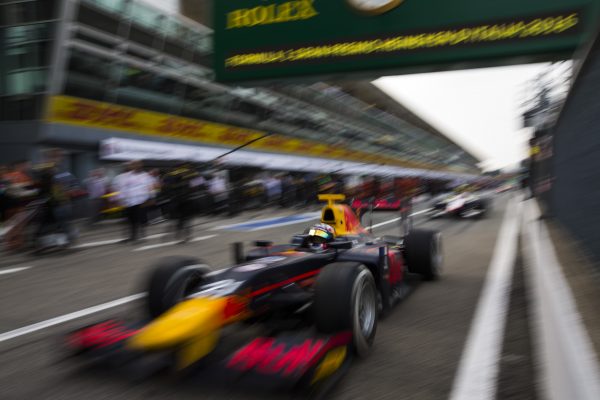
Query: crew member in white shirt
point(135, 189)
point(217, 187)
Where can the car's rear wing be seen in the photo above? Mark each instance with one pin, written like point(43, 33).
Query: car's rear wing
point(366, 207)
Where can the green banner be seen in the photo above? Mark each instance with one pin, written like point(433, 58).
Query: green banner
point(277, 39)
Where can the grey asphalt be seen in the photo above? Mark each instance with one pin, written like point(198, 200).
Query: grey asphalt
point(417, 348)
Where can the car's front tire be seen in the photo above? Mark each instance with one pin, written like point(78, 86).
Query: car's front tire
point(171, 280)
point(346, 300)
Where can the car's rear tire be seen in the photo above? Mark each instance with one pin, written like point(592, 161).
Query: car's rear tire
point(346, 300)
point(171, 280)
point(423, 251)
point(484, 205)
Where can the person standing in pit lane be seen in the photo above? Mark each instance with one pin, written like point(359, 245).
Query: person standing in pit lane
point(97, 186)
point(217, 187)
point(181, 184)
point(57, 186)
point(153, 212)
point(20, 187)
point(135, 189)
point(5, 200)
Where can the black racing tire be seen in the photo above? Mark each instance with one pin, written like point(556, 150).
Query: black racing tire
point(485, 206)
point(346, 300)
point(171, 280)
point(423, 251)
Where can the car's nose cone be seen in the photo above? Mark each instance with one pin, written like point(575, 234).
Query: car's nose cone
point(189, 320)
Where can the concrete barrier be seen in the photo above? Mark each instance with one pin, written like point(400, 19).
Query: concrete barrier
point(568, 364)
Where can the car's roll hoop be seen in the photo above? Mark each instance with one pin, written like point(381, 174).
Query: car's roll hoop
point(332, 198)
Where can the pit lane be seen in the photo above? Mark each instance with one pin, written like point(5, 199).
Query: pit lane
point(417, 351)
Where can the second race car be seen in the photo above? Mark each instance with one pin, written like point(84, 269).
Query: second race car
point(462, 204)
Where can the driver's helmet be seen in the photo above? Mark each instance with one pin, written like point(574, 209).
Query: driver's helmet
point(319, 235)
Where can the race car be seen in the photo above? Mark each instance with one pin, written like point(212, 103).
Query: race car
point(312, 306)
point(463, 204)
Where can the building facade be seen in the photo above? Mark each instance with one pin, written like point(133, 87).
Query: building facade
point(80, 73)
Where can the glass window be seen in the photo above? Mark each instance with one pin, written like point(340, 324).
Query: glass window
point(23, 82)
point(148, 90)
point(145, 16)
point(174, 29)
point(19, 108)
point(148, 81)
point(115, 6)
point(142, 36)
point(28, 11)
point(194, 95)
point(97, 19)
point(88, 75)
point(174, 49)
point(28, 33)
point(78, 86)
point(28, 55)
point(179, 37)
point(46, 9)
point(202, 59)
point(204, 43)
point(18, 13)
point(17, 57)
point(95, 40)
point(187, 36)
point(200, 42)
point(198, 110)
point(93, 66)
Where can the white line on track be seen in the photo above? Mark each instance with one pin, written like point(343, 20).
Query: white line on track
point(68, 317)
point(201, 238)
point(420, 212)
point(398, 219)
point(114, 241)
point(13, 270)
point(4, 230)
point(157, 245)
point(156, 236)
point(96, 244)
point(477, 374)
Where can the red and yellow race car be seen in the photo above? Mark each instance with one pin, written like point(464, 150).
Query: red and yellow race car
point(305, 310)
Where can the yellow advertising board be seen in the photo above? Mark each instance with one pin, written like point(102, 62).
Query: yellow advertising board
point(76, 111)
